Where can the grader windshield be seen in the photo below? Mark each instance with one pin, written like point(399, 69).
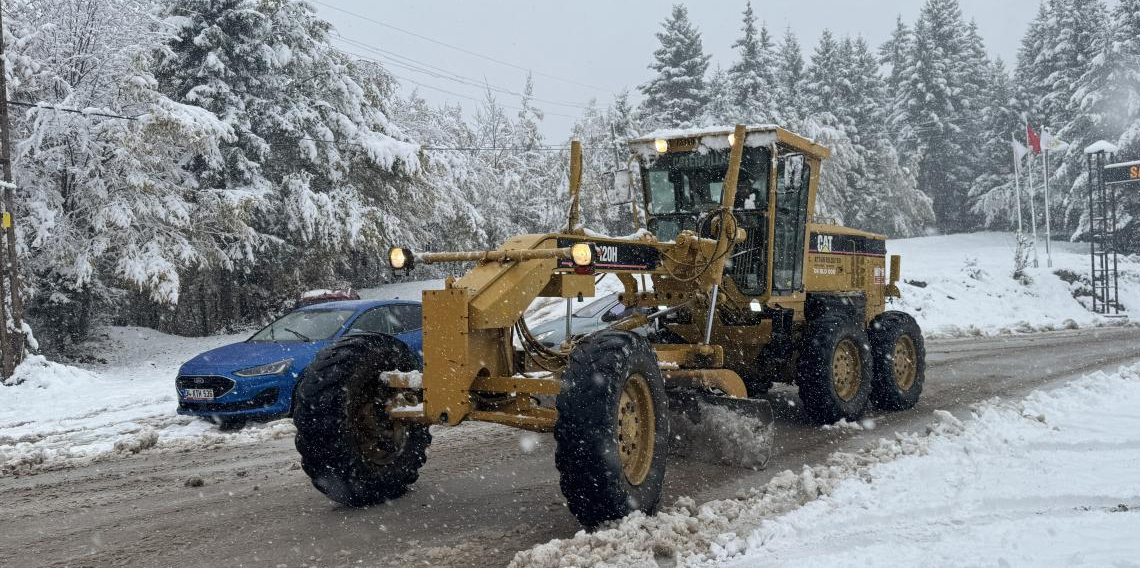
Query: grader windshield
point(680, 187)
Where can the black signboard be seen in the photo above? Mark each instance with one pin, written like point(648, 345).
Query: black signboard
point(1122, 173)
point(618, 256)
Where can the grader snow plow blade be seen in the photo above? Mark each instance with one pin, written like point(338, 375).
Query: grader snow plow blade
point(721, 429)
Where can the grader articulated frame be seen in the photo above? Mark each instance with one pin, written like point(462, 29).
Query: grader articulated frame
point(746, 290)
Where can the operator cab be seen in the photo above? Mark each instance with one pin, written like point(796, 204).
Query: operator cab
point(683, 180)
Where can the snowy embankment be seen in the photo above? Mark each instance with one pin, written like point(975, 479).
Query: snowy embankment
point(958, 285)
point(1048, 481)
point(63, 415)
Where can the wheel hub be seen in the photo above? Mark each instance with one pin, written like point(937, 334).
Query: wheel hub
point(904, 358)
point(381, 440)
point(846, 366)
point(636, 429)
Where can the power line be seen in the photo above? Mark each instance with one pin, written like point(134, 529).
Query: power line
point(434, 88)
point(427, 69)
point(457, 48)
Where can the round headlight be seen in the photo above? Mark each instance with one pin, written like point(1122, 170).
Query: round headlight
point(662, 145)
point(582, 254)
point(398, 257)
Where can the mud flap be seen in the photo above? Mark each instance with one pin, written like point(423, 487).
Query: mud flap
point(719, 429)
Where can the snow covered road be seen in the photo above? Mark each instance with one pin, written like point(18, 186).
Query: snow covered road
point(485, 493)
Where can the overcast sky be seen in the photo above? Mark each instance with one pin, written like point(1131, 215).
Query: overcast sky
point(587, 49)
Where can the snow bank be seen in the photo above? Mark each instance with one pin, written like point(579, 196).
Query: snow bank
point(1047, 481)
point(60, 415)
point(958, 285)
point(1050, 481)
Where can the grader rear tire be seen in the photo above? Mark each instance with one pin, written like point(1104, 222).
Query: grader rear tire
point(349, 448)
point(900, 361)
point(612, 432)
point(835, 370)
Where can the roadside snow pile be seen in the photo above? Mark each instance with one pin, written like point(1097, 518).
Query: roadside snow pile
point(959, 285)
point(1046, 481)
point(63, 415)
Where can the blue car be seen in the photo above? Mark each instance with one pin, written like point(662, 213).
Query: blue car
point(257, 378)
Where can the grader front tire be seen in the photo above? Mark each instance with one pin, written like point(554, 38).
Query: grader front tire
point(349, 448)
point(612, 432)
point(835, 370)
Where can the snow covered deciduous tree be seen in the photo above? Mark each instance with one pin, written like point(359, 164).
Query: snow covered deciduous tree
point(675, 97)
point(315, 170)
point(106, 200)
point(453, 220)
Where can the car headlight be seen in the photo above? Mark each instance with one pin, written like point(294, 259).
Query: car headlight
point(400, 258)
point(582, 254)
point(267, 369)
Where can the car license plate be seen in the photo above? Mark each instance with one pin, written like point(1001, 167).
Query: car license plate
point(199, 394)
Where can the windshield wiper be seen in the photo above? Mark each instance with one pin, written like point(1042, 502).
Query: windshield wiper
point(298, 334)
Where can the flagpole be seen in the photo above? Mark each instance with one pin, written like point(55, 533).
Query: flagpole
point(1048, 232)
point(1017, 182)
point(1032, 199)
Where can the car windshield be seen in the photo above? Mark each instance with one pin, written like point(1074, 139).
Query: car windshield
point(595, 308)
point(304, 325)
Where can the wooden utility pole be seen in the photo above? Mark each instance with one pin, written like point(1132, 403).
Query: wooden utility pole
point(13, 343)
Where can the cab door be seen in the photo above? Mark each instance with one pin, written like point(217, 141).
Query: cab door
point(793, 176)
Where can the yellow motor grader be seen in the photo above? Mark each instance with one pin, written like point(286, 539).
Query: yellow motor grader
point(738, 287)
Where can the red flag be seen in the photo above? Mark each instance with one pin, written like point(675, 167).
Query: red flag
point(1034, 139)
